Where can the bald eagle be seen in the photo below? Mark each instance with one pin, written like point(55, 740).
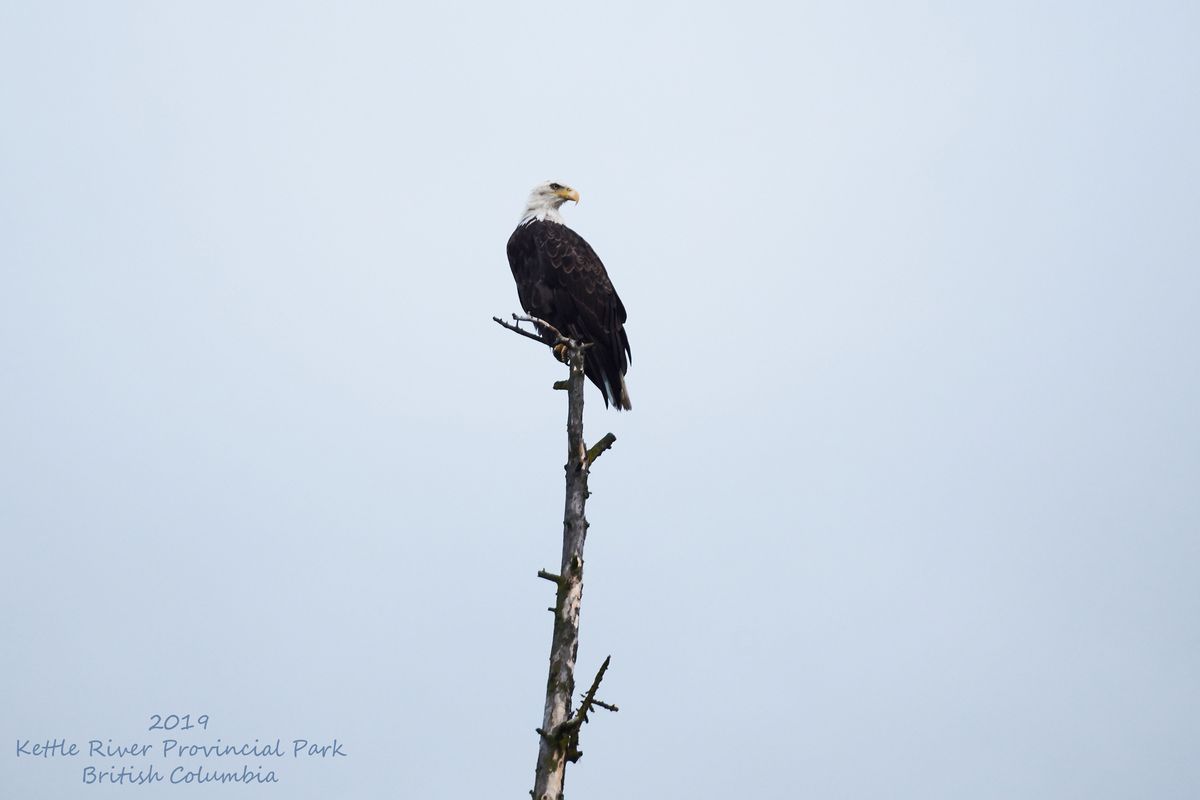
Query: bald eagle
point(561, 279)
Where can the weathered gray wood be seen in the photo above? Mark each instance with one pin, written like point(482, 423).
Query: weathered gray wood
point(554, 744)
point(559, 734)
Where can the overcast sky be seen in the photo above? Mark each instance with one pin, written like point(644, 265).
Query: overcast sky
point(907, 506)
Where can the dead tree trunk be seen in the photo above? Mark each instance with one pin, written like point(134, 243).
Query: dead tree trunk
point(559, 734)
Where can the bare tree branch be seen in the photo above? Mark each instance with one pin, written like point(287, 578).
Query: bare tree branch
point(599, 447)
point(559, 733)
point(586, 706)
point(546, 328)
point(518, 329)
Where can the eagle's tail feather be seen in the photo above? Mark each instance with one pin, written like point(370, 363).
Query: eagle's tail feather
point(603, 375)
point(623, 400)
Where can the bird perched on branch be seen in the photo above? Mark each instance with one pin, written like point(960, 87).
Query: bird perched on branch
point(561, 279)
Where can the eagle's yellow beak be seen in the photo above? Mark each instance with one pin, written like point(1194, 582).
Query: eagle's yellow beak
point(567, 193)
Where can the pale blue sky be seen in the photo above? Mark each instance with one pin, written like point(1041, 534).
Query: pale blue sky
point(906, 507)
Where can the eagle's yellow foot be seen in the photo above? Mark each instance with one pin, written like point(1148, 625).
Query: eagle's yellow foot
point(560, 352)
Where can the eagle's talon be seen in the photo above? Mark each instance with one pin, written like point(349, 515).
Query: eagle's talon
point(560, 352)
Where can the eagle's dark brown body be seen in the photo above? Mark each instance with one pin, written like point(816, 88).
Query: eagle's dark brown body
point(561, 279)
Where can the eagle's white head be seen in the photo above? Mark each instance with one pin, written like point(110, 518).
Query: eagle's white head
point(544, 201)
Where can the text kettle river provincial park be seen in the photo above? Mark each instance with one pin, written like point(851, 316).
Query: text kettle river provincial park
point(182, 755)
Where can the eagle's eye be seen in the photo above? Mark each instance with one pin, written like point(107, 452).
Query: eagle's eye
point(555, 186)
